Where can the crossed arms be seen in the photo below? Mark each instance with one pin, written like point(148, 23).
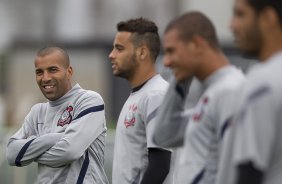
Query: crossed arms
point(57, 149)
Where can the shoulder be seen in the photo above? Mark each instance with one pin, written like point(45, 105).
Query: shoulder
point(263, 76)
point(262, 86)
point(229, 84)
point(88, 101)
point(223, 93)
point(156, 85)
point(152, 98)
point(233, 80)
point(36, 108)
point(158, 81)
point(36, 111)
point(89, 96)
point(153, 92)
point(262, 83)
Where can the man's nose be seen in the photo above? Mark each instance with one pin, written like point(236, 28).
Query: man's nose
point(111, 55)
point(167, 62)
point(46, 76)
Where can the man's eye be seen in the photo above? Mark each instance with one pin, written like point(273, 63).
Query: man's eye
point(119, 48)
point(38, 72)
point(169, 51)
point(239, 13)
point(53, 70)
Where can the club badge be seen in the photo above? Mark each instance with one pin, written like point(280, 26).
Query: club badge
point(200, 109)
point(130, 116)
point(66, 117)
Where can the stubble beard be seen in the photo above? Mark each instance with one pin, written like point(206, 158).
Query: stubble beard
point(128, 72)
point(253, 51)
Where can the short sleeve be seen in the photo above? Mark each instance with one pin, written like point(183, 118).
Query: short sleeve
point(255, 135)
point(150, 104)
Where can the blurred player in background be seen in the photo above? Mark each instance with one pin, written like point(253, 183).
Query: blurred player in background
point(192, 49)
point(180, 117)
point(65, 135)
point(256, 134)
point(136, 158)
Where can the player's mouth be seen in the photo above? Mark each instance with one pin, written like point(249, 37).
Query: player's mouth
point(236, 41)
point(114, 66)
point(48, 88)
point(236, 38)
point(176, 73)
point(174, 69)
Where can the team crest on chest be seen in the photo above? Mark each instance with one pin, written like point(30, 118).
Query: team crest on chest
point(66, 117)
point(200, 109)
point(130, 116)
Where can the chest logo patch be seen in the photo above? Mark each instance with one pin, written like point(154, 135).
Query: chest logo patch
point(66, 117)
point(200, 109)
point(130, 116)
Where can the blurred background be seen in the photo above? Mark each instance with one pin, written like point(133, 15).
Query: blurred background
point(86, 28)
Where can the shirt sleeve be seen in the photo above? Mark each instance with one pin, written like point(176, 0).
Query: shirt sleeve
point(225, 133)
point(151, 103)
point(223, 111)
point(172, 117)
point(25, 146)
point(256, 129)
point(87, 125)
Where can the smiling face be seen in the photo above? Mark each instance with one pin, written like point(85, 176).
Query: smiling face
point(179, 55)
point(123, 56)
point(53, 75)
point(245, 27)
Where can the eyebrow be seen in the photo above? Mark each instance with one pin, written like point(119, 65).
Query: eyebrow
point(118, 45)
point(169, 49)
point(50, 67)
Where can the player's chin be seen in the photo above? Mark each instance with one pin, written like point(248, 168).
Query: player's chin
point(178, 77)
point(118, 73)
point(115, 71)
point(51, 96)
point(250, 51)
point(240, 41)
point(243, 44)
point(182, 78)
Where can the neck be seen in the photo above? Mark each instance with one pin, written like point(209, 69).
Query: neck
point(270, 47)
point(212, 61)
point(141, 75)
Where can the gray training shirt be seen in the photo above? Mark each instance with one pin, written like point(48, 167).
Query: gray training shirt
point(205, 126)
point(134, 131)
point(65, 137)
point(258, 123)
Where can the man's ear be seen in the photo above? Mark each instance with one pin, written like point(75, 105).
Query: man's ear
point(143, 52)
point(69, 72)
point(199, 43)
point(269, 18)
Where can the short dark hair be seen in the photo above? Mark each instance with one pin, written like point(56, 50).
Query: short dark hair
point(259, 5)
point(50, 49)
point(194, 23)
point(144, 32)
